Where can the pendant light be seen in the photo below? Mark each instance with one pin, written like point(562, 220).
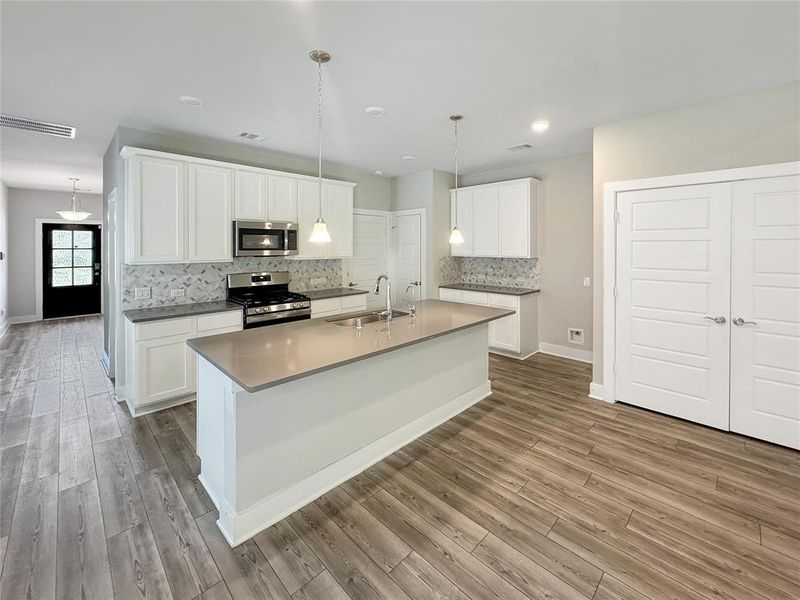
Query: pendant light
point(319, 234)
point(74, 213)
point(456, 236)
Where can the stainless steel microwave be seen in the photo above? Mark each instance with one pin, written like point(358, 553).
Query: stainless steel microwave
point(258, 238)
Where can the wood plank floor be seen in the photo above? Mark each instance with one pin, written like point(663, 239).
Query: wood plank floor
point(536, 492)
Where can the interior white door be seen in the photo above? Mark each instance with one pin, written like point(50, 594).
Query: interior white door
point(370, 254)
point(765, 308)
point(407, 247)
point(673, 278)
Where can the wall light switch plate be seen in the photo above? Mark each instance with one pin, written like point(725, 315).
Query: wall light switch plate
point(587, 282)
point(179, 293)
point(141, 293)
point(575, 336)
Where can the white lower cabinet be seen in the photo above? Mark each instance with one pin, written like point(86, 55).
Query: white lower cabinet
point(516, 335)
point(161, 368)
point(329, 307)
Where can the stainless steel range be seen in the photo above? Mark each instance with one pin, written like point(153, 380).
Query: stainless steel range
point(266, 298)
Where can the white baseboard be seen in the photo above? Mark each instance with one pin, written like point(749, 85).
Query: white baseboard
point(19, 320)
point(244, 525)
point(566, 352)
point(596, 392)
point(511, 354)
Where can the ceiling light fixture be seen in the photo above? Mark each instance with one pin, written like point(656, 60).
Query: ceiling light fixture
point(378, 172)
point(540, 126)
point(192, 101)
point(375, 111)
point(320, 234)
point(409, 157)
point(74, 213)
point(456, 237)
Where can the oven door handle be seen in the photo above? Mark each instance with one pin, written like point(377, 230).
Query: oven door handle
point(278, 315)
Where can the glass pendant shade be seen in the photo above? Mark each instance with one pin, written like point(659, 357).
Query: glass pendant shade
point(74, 213)
point(455, 236)
point(319, 234)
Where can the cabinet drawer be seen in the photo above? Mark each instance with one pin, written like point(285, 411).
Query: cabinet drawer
point(449, 295)
point(354, 302)
point(168, 327)
point(219, 320)
point(503, 301)
point(474, 297)
point(326, 306)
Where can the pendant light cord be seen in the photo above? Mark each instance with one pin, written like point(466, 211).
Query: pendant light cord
point(319, 136)
point(455, 144)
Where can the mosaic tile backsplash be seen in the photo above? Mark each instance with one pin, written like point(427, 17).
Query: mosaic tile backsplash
point(511, 272)
point(206, 282)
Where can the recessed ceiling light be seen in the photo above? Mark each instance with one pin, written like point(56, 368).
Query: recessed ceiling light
point(540, 126)
point(378, 172)
point(192, 101)
point(409, 157)
point(375, 111)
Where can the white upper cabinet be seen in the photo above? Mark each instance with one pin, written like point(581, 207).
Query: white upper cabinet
point(180, 209)
point(209, 215)
point(461, 215)
point(498, 219)
point(282, 199)
point(156, 210)
point(250, 196)
point(337, 204)
point(486, 232)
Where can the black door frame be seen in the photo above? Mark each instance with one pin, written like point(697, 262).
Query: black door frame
point(40, 222)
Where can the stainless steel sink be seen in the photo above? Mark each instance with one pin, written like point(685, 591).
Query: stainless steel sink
point(360, 319)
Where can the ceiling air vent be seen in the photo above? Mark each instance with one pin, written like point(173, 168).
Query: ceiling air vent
point(251, 137)
point(62, 131)
point(520, 147)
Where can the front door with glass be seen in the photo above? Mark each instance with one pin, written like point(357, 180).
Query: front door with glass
point(70, 270)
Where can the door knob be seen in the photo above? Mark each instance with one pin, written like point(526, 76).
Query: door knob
point(718, 320)
point(740, 322)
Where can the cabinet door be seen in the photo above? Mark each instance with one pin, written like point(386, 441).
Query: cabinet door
point(210, 222)
point(338, 212)
point(157, 215)
point(307, 213)
point(449, 295)
point(282, 199)
point(461, 214)
point(165, 369)
point(515, 221)
point(486, 224)
point(250, 196)
point(504, 333)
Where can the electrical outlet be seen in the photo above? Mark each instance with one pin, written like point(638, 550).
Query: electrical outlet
point(141, 293)
point(587, 282)
point(575, 336)
point(178, 293)
point(318, 280)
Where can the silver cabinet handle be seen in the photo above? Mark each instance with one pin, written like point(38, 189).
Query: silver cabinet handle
point(718, 320)
point(740, 322)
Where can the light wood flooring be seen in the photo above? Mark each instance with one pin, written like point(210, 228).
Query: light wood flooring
point(536, 492)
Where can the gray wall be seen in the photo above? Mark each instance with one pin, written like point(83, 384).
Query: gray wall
point(565, 242)
point(430, 190)
point(4, 250)
point(24, 207)
point(751, 129)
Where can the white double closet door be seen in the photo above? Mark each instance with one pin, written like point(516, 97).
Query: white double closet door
point(708, 305)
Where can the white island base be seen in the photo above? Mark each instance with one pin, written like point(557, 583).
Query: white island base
point(268, 453)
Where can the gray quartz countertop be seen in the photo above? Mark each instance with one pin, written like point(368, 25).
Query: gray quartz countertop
point(333, 293)
point(491, 289)
point(263, 357)
point(175, 311)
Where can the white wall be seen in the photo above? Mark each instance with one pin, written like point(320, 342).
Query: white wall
point(24, 207)
point(751, 129)
point(565, 234)
point(4, 261)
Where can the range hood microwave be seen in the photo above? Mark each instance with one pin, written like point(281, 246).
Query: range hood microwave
point(264, 238)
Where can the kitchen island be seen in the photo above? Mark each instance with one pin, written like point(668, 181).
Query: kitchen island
point(287, 412)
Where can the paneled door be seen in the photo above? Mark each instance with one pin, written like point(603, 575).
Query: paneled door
point(673, 300)
point(407, 249)
point(765, 310)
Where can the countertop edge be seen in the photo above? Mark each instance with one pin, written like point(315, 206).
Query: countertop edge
point(333, 293)
point(490, 289)
point(258, 388)
point(132, 318)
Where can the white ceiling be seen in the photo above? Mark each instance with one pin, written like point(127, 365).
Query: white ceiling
point(99, 65)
